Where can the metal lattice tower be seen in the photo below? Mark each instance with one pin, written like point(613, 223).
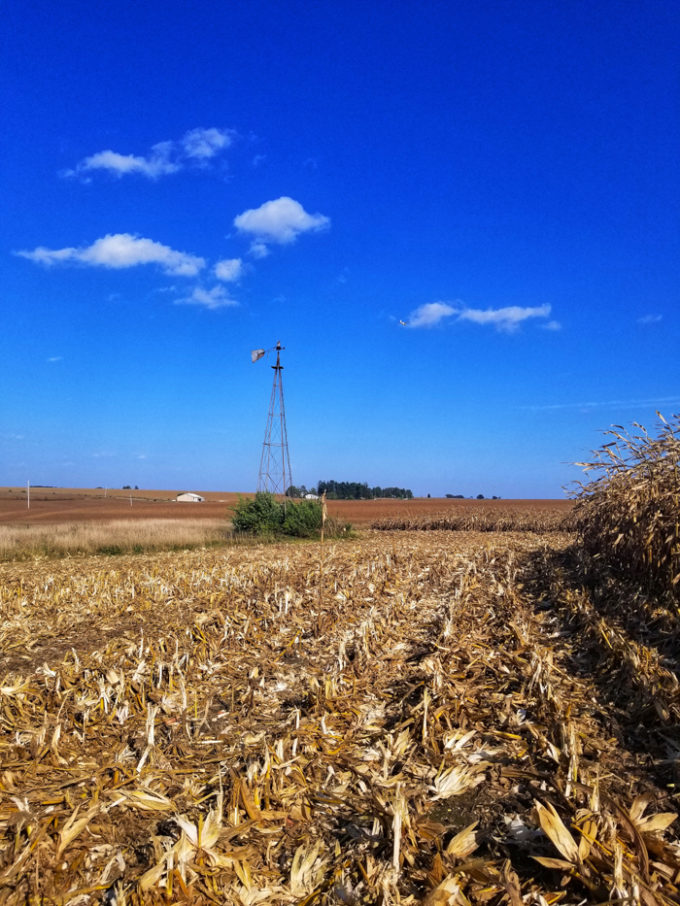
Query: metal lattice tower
point(275, 475)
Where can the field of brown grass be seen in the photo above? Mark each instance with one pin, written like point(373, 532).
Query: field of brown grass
point(24, 540)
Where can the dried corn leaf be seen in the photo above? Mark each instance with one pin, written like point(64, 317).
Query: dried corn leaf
point(149, 800)
point(554, 828)
point(448, 893)
point(655, 823)
point(454, 781)
point(73, 827)
point(464, 843)
point(307, 869)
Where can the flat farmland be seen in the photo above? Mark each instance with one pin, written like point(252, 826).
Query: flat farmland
point(421, 510)
point(405, 717)
point(55, 505)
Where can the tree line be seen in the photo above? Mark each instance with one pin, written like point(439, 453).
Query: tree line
point(349, 490)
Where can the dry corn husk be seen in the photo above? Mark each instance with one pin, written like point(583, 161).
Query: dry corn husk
point(396, 719)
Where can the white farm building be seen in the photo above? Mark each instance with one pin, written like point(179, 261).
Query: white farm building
point(189, 497)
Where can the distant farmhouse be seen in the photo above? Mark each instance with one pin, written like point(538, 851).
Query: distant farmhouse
point(189, 497)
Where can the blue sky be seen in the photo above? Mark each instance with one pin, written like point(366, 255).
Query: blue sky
point(183, 183)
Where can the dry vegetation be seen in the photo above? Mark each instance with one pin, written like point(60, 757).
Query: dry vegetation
point(629, 516)
point(26, 541)
point(426, 717)
point(481, 519)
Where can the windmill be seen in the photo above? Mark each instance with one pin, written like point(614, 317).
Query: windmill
point(275, 475)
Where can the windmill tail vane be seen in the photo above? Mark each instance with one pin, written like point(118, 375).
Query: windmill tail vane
point(256, 354)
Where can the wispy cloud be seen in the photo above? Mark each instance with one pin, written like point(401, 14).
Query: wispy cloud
point(258, 249)
point(506, 319)
point(118, 251)
point(431, 314)
point(54, 358)
point(155, 165)
point(212, 299)
point(229, 270)
point(650, 319)
point(605, 404)
point(279, 221)
point(196, 147)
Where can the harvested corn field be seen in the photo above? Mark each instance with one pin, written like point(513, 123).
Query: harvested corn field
point(409, 717)
point(553, 516)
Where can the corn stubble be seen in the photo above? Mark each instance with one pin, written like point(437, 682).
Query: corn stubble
point(403, 718)
point(508, 519)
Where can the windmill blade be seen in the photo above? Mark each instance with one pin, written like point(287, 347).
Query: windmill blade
point(256, 354)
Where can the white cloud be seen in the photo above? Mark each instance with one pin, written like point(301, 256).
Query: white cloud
point(212, 299)
point(118, 251)
point(229, 269)
point(202, 144)
point(196, 147)
point(280, 221)
point(430, 314)
point(258, 249)
point(649, 319)
point(54, 358)
point(506, 319)
point(155, 165)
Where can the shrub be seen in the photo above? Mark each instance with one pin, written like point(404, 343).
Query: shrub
point(628, 517)
point(303, 519)
point(263, 515)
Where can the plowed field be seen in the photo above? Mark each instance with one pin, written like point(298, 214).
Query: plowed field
point(55, 505)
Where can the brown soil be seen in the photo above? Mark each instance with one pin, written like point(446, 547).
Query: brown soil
point(55, 505)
